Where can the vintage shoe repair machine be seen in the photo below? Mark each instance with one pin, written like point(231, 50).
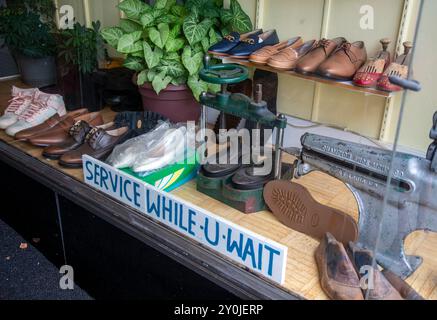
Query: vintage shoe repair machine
point(238, 184)
point(396, 193)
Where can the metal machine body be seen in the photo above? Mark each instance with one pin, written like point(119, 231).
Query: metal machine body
point(411, 202)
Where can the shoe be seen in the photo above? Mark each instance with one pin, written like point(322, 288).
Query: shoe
point(404, 289)
point(77, 135)
point(294, 206)
point(344, 62)
point(370, 73)
point(21, 100)
point(338, 278)
point(42, 107)
point(320, 52)
point(98, 144)
point(399, 68)
point(139, 122)
point(254, 43)
point(48, 124)
point(379, 288)
point(287, 58)
point(230, 41)
point(60, 133)
point(263, 55)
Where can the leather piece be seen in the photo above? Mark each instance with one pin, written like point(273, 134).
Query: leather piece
point(99, 144)
point(343, 63)
point(319, 53)
point(338, 278)
point(230, 41)
point(379, 287)
point(60, 133)
point(48, 124)
point(287, 58)
point(254, 43)
point(294, 206)
point(263, 55)
point(404, 289)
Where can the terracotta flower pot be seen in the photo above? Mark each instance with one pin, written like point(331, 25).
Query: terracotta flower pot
point(177, 103)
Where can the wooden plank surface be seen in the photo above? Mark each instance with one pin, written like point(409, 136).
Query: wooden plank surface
point(301, 275)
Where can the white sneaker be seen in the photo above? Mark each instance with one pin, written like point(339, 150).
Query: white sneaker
point(21, 99)
point(43, 107)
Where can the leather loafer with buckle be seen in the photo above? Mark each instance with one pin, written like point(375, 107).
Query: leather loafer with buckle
point(287, 58)
point(60, 132)
point(344, 62)
point(49, 124)
point(321, 51)
point(230, 41)
point(254, 43)
point(98, 144)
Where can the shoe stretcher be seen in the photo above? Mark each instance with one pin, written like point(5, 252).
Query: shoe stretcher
point(395, 198)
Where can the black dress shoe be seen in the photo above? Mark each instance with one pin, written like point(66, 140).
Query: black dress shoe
point(231, 41)
point(254, 43)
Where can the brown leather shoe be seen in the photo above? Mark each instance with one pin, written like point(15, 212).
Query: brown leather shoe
point(404, 289)
point(48, 124)
point(379, 288)
point(344, 62)
point(263, 55)
point(287, 58)
point(337, 274)
point(294, 206)
point(60, 133)
point(321, 51)
point(99, 144)
point(76, 138)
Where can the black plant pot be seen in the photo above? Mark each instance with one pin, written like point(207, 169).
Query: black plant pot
point(37, 72)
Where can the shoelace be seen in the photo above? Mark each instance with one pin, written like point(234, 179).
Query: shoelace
point(346, 47)
point(229, 38)
point(17, 104)
point(35, 109)
point(324, 43)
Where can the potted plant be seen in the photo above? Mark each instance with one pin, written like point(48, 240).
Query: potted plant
point(80, 49)
point(30, 38)
point(165, 44)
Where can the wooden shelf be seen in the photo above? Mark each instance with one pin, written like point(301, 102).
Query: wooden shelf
point(348, 85)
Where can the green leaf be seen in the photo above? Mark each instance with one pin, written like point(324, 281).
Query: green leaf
point(179, 81)
point(152, 57)
point(160, 82)
point(142, 77)
point(129, 43)
point(172, 56)
point(147, 19)
point(129, 26)
point(134, 63)
point(139, 54)
point(159, 36)
point(134, 8)
point(195, 32)
point(112, 35)
point(213, 38)
point(172, 68)
point(179, 11)
point(174, 45)
point(160, 4)
point(169, 18)
point(176, 31)
point(151, 75)
point(236, 18)
point(191, 62)
point(197, 86)
point(205, 44)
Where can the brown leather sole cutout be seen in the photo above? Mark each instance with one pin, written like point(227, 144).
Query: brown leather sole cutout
point(294, 206)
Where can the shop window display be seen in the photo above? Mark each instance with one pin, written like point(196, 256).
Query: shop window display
point(328, 212)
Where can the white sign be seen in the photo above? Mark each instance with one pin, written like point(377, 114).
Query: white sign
point(243, 246)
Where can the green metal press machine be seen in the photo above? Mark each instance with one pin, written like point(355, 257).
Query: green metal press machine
point(239, 185)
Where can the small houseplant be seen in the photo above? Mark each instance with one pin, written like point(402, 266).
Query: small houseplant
point(80, 48)
point(30, 38)
point(165, 44)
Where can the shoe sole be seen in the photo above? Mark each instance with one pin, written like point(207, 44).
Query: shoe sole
point(294, 206)
point(334, 77)
point(51, 156)
point(239, 57)
point(218, 54)
point(70, 165)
